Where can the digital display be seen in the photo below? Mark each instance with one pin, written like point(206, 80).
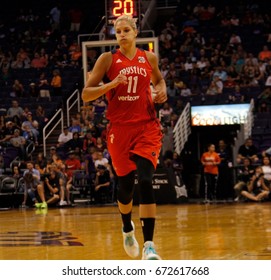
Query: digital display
point(116, 8)
point(219, 114)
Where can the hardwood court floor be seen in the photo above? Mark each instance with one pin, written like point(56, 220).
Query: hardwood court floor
point(187, 231)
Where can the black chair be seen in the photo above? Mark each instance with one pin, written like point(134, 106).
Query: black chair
point(81, 184)
point(7, 191)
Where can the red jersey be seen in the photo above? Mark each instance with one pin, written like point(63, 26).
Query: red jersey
point(130, 103)
point(72, 165)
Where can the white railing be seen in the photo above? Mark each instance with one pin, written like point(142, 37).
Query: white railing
point(250, 120)
point(71, 103)
point(244, 132)
point(182, 129)
point(57, 118)
point(91, 36)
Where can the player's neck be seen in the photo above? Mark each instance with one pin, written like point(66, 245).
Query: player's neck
point(129, 52)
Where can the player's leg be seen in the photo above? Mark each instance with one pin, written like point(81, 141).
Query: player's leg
point(147, 206)
point(125, 204)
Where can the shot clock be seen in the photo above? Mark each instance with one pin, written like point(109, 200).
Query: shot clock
point(116, 8)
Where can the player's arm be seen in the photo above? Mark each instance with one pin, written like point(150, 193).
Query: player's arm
point(93, 89)
point(158, 81)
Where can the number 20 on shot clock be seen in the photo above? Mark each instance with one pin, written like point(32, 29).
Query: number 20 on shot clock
point(116, 8)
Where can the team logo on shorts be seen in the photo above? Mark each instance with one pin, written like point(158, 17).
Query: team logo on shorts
point(111, 136)
point(153, 154)
point(141, 59)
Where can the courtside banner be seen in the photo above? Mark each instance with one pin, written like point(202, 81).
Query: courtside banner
point(135, 270)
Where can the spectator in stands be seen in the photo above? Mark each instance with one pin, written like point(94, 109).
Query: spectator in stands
point(65, 186)
point(41, 162)
point(55, 16)
point(63, 45)
point(247, 150)
point(185, 91)
point(210, 161)
point(235, 40)
point(44, 56)
point(19, 142)
point(100, 106)
point(75, 126)
point(44, 87)
point(102, 185)
point(15, 110)
point(24, 56)
point(76, 17)
point(250, 74)
point(17, 89)
point(165, 113)
point(87, 125)
point(88, 141)
point(172, 90)
point(72, 163)
point(55, 160)
point(33, 187)
point(42, 171)
point(33, 125)
point(52, 187)
point(64, 137)
point(230, 83)
point(198, 9)
point(264, 54)
point(7, 133)
point(18, 63)
point(215, 87)
point(234, 20)
point(75, 54)
point(41, 115)
point(26, 112)
point(33, 90)
point(224, 183)
point(89, 163)
point(167, 142)
point(264, 100)
point(52, 152)
point(221, 73)
point(258, 188)
point(244, 173)
point(76, 143)
point(29, 135)
point(38, 62)
point(16, 172)
point(63, 61)
point(100, 145)
point(56, 83)
point(231, 72)
point(101, 160)
point(178, 107)
point(268, 81)
point(100, 124)
point(266, 167)
point(164, 70)
point(236, 96)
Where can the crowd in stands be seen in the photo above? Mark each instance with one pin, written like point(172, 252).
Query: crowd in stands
point(206, 51)
point(216, 54)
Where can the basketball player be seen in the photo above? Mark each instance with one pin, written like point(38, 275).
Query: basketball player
point(134, 134)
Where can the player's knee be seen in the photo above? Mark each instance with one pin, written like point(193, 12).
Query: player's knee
point(126, 188)
point(146, 193)
point(124, 196)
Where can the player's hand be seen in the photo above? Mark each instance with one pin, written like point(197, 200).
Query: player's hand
point(159, 96)
point(120, 79)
